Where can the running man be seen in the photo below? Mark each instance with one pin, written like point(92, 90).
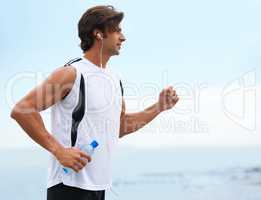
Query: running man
point(86, 100)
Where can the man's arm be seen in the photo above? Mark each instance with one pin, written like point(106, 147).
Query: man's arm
point(27, 113)
point(131, 122)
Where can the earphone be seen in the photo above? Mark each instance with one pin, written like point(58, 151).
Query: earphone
point(99, 36)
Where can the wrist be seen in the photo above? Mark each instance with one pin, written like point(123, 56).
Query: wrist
point(54, 146)
point(54, 150)
point(158, 107)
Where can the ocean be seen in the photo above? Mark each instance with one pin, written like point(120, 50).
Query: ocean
point(148, 173)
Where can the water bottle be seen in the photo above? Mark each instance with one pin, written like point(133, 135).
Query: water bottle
point(89, 150)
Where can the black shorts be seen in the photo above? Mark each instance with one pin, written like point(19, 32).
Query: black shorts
point(64, 192)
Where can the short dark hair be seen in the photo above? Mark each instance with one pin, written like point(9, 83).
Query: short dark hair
point(104, 18)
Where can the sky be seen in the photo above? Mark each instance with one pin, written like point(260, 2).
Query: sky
point(208, 50)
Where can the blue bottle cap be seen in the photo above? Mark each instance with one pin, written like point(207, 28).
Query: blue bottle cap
point(94, 144)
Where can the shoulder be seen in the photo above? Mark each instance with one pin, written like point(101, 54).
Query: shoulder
point(63, 75)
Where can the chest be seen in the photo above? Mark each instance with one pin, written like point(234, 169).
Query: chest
point(103, 93)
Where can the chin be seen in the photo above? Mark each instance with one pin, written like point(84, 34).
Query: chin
point(115, 53)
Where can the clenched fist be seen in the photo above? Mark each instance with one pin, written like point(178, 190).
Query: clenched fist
point(167, 99)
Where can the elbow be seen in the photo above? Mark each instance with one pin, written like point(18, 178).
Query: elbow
point(15, 112)
point(23, 107)
point(20, 109)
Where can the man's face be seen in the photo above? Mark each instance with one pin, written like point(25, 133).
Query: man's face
point(112, 43)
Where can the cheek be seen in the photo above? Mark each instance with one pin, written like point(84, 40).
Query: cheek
point(111, 41)
point(114, 37)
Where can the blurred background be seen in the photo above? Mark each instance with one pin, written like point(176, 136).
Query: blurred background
point(208, 146)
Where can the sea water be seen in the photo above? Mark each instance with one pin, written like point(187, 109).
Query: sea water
point(148, 173)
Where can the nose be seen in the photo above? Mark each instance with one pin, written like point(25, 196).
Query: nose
point(122, 38)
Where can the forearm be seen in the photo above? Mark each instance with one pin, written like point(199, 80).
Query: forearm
point(33, 125)
point(133, 121)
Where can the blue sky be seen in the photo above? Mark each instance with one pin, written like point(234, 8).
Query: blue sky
point(194, 41)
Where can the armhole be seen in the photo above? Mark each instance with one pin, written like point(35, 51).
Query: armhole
point(122, 90)
point(75, 84)
point(119, 77)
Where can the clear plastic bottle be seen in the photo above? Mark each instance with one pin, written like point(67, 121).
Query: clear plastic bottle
point(89, 150)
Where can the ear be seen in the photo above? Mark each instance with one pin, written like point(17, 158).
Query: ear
point(98, 34)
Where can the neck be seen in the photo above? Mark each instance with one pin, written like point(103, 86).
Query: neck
point(93, 55)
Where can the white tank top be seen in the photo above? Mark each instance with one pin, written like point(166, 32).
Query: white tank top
point(91, 111)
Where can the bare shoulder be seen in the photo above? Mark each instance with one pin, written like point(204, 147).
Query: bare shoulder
point(62, 80)
point(50, 91)
point(63, 75)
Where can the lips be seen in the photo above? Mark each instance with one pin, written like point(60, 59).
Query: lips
point(119, 45)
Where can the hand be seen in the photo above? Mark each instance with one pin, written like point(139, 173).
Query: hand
point(167, 99)
point(73, 158)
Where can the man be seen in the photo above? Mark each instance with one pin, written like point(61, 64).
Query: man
point(87, 104)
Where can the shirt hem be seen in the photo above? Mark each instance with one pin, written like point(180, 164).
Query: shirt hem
point(78, 185)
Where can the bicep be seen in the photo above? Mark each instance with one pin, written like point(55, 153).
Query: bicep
point(52, 90)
